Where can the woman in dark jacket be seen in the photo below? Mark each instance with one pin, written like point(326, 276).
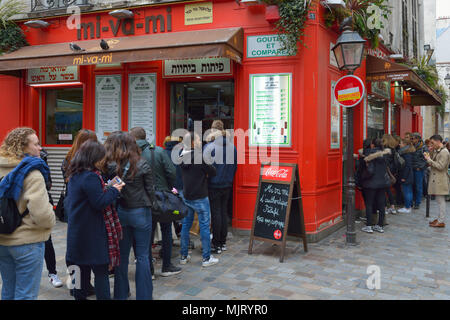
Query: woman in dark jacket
point(406, 176)
point(90, 230)
point(375, 186)
point(391, 143)
point(123, 158)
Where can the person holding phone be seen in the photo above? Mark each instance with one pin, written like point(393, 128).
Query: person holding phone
point(123, 159)
point(94, 230)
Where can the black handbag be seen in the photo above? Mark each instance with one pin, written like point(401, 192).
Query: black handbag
point(59, 210)
point(167, 206)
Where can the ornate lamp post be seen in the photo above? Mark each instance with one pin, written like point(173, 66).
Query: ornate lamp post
point(349, 51)
point(447, 80)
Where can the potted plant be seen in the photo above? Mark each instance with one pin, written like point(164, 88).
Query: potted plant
point(11, 36)
point(358, 10)
point(289, 17)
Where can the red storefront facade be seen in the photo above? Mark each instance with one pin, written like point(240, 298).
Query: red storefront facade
point(316, 130)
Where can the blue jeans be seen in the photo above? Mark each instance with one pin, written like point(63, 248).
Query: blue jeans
point(137, 225)
point(21, 270)
point(418, 186)
point(407, 195)
point(201, 206)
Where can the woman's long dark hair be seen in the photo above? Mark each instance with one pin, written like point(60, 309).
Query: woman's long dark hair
point(85, 159)
point(121, 148)
point(82, 136)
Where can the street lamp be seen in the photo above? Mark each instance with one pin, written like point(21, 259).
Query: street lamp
point(447, 80)
point(349, 51)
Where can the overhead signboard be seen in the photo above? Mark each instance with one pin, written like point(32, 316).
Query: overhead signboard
point(268, 45)
point(198, 13)
point(194, 67)
point(52, 74)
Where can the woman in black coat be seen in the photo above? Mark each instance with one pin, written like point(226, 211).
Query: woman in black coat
point(406, 151)
point(375, 185)
point(88, 242)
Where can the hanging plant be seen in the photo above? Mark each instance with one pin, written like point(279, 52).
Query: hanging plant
point(367, 23)
point(11, 36)
point(429, 74)
point(291, 25)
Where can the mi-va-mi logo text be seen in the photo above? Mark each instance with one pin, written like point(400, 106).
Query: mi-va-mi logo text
point(91, 30)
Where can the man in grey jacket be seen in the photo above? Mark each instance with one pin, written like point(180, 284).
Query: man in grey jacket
point(165, 174)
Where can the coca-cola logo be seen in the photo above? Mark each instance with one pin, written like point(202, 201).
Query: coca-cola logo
point(274, 173)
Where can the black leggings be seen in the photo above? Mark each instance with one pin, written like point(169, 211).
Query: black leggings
point(375, 199)
point(390, 196)
point(50, 260)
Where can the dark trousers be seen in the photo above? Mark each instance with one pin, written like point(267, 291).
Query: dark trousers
point(101, 281)
point(375, 199)
point(50, 260)
point(398, 193)
point(390, 196)
point(218, 201)
point(166, 247)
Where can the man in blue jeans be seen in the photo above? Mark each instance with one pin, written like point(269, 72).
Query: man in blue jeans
point(419, 165)
point(195, 173)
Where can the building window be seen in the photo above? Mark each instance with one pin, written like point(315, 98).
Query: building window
point(414, 27)
point(405, 28)
point(63, 115)
point(375, 118)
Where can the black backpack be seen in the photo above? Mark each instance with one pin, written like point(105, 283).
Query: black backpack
point(10, 217)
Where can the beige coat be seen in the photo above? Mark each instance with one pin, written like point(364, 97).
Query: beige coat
point(37, 225)
point(439, 180)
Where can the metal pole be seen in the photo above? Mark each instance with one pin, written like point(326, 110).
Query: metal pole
point(428, 206)
point(350, 194)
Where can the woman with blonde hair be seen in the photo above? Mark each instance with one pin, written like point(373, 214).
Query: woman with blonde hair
point(23, 175)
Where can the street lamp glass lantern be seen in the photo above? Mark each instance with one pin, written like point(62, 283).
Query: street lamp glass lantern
point(447, 80)
point(349, 50)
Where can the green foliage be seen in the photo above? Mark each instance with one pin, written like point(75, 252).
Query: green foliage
point(293, 15)
point(11, 38)
point(9, 8)
point(357, 9)
point(430, 75)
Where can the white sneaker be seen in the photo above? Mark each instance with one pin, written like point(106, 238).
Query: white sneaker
point(404, 210)
point(55, 281)
point(185, 260)
point(367, 229)
point(212, 261)
point(377, 228)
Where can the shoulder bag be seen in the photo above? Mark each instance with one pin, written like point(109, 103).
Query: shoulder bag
point(167, 206)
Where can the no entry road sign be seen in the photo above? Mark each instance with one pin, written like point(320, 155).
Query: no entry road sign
point(349, 91)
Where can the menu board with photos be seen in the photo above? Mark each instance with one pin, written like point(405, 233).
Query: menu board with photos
point(108, 97)
point(142, 102)
point(270, 109)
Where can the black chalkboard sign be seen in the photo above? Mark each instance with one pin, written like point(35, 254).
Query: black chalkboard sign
point(278, 194)
point(272, 207)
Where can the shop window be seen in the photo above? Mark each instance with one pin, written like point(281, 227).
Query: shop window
point(394, 119)
point(375, 118)
point(63, 115)
point(201, 101)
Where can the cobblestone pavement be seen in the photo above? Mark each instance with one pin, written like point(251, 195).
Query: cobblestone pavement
point(413, 259)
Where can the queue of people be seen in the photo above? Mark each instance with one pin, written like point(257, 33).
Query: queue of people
point(410, 167)
point(108, 208)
